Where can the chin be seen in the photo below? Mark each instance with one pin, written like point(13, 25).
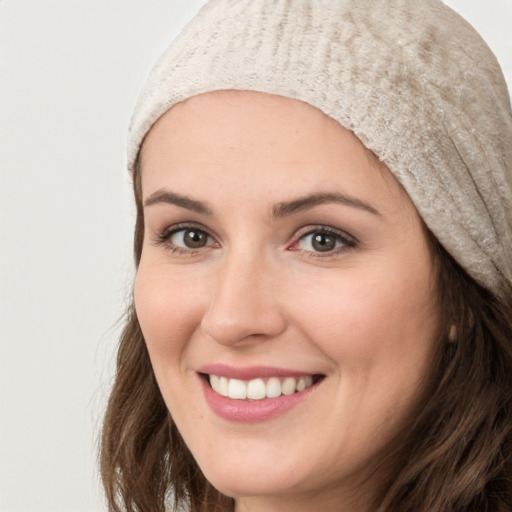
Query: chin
point(243, 481)
point(237, 486)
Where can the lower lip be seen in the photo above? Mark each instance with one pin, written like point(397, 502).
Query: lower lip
point(252, 411)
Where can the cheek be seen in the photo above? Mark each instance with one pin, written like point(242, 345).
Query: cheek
point(374, 325)
point(168, 311)
point(381, 340)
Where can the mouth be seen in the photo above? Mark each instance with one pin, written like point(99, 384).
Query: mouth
point(260, 388)
point(255, 394)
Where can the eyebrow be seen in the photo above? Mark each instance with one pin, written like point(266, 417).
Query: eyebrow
point(284, 209)
point(168, 197)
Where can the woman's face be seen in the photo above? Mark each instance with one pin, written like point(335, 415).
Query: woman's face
point(280, 259)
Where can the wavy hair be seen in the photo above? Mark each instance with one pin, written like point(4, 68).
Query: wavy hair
point(456, 456)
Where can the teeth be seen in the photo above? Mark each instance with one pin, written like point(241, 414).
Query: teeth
point(223, 386)
point(273, 387)
point(237, 389)
point(301, 385)
point(258, 389)
point(288, 386)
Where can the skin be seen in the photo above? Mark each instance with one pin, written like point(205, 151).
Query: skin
point(260, 293)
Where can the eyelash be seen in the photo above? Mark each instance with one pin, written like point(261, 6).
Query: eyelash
point(346, 241)
point(340, 237)
point(163, 238)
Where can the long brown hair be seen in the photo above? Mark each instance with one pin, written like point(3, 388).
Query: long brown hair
point(456, 456)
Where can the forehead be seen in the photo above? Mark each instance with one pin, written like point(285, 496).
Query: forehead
point(237, 117)
point(250, 138)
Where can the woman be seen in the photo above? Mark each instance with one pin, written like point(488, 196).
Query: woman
point(322, 307)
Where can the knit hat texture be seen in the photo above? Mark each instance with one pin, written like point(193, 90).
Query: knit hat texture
point(411, 78)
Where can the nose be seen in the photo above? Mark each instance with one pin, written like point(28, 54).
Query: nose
point(244, 303)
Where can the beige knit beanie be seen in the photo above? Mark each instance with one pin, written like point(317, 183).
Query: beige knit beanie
point(410, 78)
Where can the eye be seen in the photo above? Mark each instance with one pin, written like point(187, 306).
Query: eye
point(324, 240)
point(189, 238)
point(184, 239)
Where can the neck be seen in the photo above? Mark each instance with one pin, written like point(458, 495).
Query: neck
point(324, 501)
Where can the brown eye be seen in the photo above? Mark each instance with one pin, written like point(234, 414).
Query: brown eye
point(323, 242)
point(195, 238)
point(190, 238)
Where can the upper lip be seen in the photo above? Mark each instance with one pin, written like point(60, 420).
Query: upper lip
point(250, 372)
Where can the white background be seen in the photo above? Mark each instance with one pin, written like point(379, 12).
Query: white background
point(70, 73)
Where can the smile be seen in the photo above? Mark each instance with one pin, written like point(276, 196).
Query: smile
point(259, 388)
point(257, 394)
